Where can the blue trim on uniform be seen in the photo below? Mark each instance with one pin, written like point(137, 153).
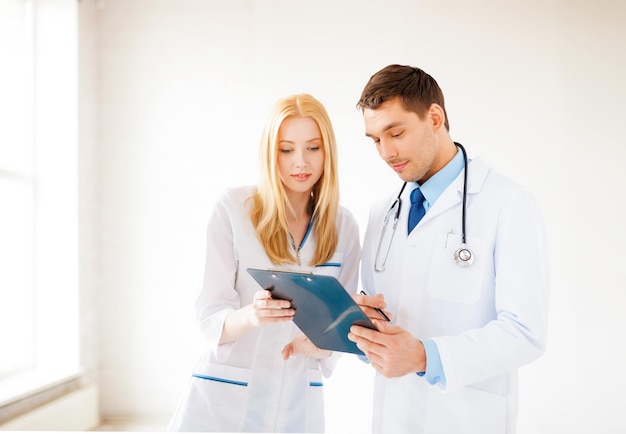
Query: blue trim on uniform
point(306, 235)
point(316, 384)
point(221, 380)
point(330, 264)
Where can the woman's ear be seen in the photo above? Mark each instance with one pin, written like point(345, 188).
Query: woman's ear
point(437, 116)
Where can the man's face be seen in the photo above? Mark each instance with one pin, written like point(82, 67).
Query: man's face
point(404, 141)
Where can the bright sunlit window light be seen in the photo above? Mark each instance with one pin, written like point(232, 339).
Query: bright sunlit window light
point(38, 196)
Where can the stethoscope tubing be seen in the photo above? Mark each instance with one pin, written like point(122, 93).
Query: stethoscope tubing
point(464, 191)
point(462, 256)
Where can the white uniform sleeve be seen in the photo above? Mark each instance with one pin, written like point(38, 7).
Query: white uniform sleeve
point(218, 296)
point(518, 334)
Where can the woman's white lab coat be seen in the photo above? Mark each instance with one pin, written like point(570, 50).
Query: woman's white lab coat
point(245, 386)
point(487, 320)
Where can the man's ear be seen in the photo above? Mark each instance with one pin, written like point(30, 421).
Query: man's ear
point(437, 116)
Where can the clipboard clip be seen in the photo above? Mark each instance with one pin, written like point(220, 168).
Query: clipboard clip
point(288, 270)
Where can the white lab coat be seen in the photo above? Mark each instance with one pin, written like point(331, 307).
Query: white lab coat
point(487, 320)
point(245, 386)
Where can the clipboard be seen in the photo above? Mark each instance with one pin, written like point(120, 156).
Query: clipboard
point(324, 309)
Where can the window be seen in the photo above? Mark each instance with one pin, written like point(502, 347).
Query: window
point(39, 336)
point(17, 196)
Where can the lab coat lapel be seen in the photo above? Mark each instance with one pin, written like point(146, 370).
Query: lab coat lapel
point(453, 195)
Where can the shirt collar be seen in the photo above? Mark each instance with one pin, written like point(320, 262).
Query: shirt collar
point(437, 183)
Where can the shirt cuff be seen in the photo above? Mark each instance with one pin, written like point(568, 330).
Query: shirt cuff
point(434, 370)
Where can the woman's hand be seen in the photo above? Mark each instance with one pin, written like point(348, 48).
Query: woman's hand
point(266, 310)
point(263, 310)
point(303, 345)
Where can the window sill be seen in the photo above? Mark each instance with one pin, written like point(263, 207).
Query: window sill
point(24, 392)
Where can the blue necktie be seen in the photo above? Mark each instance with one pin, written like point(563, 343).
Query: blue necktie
point(417, 208)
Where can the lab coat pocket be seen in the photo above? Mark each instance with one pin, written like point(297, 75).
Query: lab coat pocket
point(332, 267)
point(475, 411)
point(447, 280)
point(315, 402)
point(216, 399)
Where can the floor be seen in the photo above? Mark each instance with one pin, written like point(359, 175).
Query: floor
point(133, 425)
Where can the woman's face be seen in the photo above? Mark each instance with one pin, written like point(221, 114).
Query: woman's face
point(300, 154)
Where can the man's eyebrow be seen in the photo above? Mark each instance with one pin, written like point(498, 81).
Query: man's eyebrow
point(387, 128)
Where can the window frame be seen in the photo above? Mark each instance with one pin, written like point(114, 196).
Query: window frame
point(55, 177)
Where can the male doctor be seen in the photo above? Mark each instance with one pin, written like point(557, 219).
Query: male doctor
point(465, 285)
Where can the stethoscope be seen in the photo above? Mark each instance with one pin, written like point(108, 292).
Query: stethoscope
point(463, 256)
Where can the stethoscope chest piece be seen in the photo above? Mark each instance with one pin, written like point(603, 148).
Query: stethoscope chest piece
point(463, 257)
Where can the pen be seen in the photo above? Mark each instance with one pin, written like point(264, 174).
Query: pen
point(381, 313)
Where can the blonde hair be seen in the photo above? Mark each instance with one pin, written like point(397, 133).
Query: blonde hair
point(270, 204)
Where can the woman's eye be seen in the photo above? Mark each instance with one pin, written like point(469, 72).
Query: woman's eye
point(314, 148)
point(285, 151)
point(395, 135)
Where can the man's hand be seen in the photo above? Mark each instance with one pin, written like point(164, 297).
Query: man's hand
point(369, 305)
point(392, 351)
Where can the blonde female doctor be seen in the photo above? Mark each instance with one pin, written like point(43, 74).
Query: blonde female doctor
point(463, 276)
point(259, 372)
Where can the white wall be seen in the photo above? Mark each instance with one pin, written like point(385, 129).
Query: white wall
point(181, 89)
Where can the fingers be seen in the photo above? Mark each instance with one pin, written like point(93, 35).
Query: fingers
point(359, 334)
point(368, 301)
point(301, 345)
point(372, 341)
point(372, 306)
point(384, 328)
point(392, 351)
point(288, 350)
point(266, 310)
point(376, 314)
point(263, 300)
point(294, 347)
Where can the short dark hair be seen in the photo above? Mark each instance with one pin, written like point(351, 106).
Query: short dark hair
point(416, 89)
